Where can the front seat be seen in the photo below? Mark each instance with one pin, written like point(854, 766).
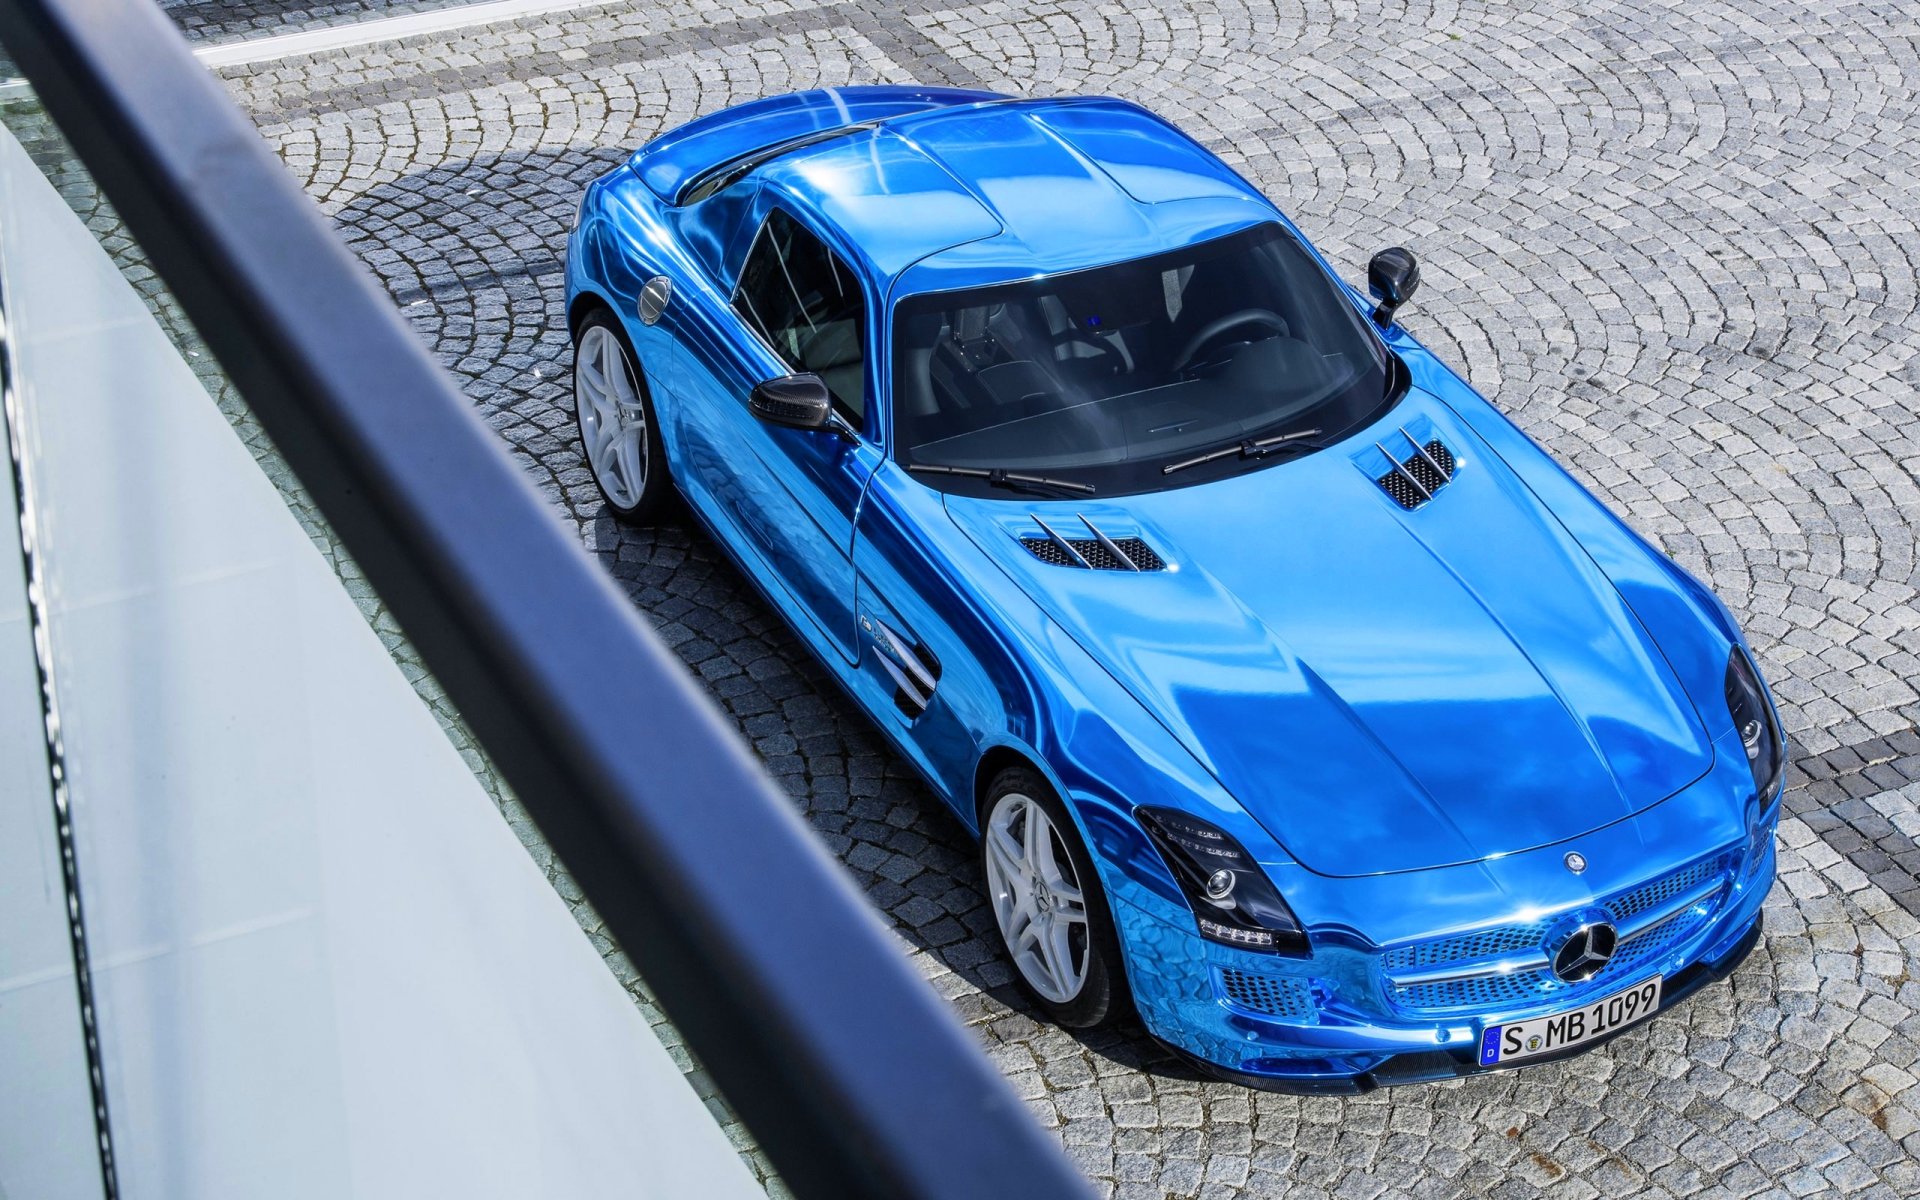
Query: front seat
point(832, 351)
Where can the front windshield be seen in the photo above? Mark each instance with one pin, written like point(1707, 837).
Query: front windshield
point(1104, 378)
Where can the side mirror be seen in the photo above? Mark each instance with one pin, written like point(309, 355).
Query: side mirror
point(1393, 276)
point(797, 402)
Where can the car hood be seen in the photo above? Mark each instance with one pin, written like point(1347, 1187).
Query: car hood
point(1383, 689)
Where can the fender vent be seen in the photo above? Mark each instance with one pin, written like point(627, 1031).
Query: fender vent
point(1414, 480)
point(912, 667)
point(1096, 553)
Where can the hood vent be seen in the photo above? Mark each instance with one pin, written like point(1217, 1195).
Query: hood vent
point(1096, 553)
point(1414, 480)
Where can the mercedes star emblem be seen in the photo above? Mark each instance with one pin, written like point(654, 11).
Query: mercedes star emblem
point(1576, 861)
point(1587, 949)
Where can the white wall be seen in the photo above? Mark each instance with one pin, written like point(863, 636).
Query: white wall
point(46, 1112)
point(326, 966)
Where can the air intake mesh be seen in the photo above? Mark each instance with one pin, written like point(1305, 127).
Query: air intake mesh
point(1098, 557)
point(1274, 995)
point(1430, 475)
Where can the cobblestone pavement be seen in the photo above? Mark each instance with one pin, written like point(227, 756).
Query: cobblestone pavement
point(1676, 242)
point(227, 20)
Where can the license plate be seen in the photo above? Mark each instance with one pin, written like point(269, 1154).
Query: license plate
point(1543, 1035)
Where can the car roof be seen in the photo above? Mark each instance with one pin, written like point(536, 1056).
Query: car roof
point(668, 163)
point(966, 187)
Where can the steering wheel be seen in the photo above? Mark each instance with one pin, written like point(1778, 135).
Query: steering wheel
point(1219, 325)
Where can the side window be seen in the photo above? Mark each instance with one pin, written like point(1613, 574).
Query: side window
point(809, 307)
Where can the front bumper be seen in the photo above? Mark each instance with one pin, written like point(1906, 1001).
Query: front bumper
point(1433, 1065)
point(1338, 1034)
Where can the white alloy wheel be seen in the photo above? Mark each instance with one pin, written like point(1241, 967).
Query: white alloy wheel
point(1037, 898)
point(613, 420)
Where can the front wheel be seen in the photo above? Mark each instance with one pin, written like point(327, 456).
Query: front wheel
point(615, 417)
point(1048, 902)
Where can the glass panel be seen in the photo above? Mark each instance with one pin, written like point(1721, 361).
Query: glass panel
point(1112, 377)
point(810, 307)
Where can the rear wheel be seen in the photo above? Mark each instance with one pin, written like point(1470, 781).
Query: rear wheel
point(1048, 903)
point(615, 418)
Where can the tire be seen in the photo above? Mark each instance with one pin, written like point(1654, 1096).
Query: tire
point(1093, 986)
point(614, 417)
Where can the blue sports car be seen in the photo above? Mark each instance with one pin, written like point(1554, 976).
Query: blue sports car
point(1301, 704)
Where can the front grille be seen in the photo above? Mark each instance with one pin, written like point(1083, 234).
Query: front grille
point(1273, 995)
point(1523, 989)
point(1518, 990)
point(1098, 556)
point(1485, 943)
point(1416, 479)
point(1653, 895)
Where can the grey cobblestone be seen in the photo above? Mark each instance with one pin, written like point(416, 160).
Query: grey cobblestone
point(229, 20)
point(1861, 799)
point(1677, 244)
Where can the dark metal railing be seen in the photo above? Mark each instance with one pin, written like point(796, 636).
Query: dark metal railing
point(851, 1073)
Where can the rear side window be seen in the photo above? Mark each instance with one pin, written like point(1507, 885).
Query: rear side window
point(809, 307)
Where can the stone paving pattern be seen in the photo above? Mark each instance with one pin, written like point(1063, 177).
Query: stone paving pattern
point(1676, 243)
point(233, 20)
point(1860, 798)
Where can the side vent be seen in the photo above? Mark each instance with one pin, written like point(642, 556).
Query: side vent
point(1415, 479)
point(912, 667)
point(1096, 553)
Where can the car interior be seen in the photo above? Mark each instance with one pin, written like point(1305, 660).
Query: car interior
point(809, 307)
point(1123, 362)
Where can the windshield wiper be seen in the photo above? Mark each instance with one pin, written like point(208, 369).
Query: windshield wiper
point(1001, 477)
point(1260, 448)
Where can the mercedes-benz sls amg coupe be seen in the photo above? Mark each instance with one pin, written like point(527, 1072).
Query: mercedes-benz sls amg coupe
point(1300, 703)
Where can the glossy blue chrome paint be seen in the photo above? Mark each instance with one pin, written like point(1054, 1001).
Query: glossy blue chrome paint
point(1408, 718)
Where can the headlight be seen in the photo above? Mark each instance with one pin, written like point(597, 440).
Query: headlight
point(1232, 898)
point(1753, 718)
